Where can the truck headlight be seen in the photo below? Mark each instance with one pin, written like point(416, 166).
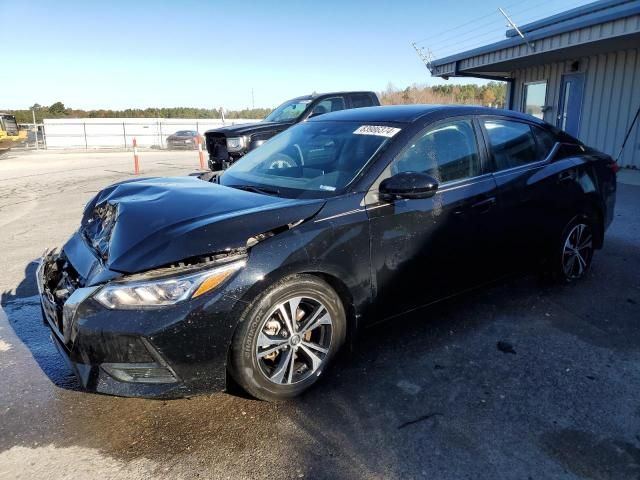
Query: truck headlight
point(164, 291)
point(235, 144)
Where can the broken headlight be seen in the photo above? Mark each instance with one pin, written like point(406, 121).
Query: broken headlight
point(164, 291)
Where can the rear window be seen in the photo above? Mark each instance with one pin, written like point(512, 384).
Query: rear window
point(512, 143)
point(361, 100)
point(546, 141)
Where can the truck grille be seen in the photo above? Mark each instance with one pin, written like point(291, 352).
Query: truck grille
point(217, 147)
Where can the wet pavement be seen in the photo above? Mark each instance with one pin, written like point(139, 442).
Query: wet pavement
point(426, 396)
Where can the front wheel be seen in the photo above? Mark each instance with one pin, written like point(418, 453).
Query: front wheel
point(574, 257)
point(287, 338)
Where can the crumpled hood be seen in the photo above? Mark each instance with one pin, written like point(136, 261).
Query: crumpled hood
point(165, 220)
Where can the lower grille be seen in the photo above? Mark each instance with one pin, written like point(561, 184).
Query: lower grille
point(57, 282)
point(217, 147)
point(139, 372)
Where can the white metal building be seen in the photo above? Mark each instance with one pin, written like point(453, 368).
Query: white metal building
point(578, 70)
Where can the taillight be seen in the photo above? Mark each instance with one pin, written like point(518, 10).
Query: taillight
point(613, 165)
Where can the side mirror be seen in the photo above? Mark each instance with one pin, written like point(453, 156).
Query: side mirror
point(408, 185)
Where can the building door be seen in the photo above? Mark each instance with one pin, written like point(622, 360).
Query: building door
point(570, 108)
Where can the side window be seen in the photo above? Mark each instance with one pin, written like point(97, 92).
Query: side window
point(327, 105)
point(512, 143)
point(361, 100)
point(447, 151)
point(546, 141)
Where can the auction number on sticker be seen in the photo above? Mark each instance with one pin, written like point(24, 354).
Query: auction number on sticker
point(378, 130)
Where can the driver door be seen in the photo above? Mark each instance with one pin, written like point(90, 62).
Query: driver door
point(425, 249)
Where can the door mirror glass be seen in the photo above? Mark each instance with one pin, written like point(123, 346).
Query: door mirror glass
point(408, 185)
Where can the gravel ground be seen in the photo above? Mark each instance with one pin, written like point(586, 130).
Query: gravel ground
point(426, 396)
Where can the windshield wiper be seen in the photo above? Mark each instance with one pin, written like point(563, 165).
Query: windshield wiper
point(263, 190)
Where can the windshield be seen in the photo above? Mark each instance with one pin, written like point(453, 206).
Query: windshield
point(185, 133)
point(312, 159)
point(288, 111)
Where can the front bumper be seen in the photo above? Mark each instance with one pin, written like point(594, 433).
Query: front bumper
point(159, 353)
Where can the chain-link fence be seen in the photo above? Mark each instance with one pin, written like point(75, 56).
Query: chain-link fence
point(115, 133)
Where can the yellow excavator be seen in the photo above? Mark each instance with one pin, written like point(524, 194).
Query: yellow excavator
point(10, 134)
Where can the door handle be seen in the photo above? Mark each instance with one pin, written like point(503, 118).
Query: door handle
point(484, 205)
point(565, 176)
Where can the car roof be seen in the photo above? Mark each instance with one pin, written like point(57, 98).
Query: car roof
point(313, 96)
point(411, 113)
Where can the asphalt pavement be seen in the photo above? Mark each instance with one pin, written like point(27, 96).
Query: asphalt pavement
point(521, 380)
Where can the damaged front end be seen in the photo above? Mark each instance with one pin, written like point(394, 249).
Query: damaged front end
point(101, 360)
point(60, 287)
point(123, 337)
point(142, 300)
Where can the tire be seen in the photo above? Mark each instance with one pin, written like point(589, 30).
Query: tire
point(269, 362)
point(573, 254)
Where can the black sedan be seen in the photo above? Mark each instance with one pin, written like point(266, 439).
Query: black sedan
point(264, 272)
point(184, 139)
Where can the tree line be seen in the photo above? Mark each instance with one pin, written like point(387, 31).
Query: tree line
point(58, 110)
point(492, 95)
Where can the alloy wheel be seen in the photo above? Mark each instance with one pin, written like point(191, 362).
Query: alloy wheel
point(577, 251)
point(294, 340)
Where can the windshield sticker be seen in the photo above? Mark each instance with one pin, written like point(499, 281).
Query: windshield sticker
point(327, 187)
point(377, 130)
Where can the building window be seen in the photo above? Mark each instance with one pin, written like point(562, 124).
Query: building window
point(535, 95)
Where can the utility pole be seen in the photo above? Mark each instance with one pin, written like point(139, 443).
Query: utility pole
point(35, 126)
point(425, 57)
point(515, 27)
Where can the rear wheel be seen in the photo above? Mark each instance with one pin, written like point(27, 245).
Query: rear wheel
point(287, 338)
point(575, 253)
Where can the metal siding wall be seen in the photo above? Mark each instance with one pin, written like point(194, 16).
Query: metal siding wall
point(593, 33)
point(611, 99)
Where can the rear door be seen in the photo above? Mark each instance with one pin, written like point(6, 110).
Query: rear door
point(426, 249)
point(535, 193)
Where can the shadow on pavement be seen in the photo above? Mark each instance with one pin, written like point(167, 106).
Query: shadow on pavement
point(24, 316)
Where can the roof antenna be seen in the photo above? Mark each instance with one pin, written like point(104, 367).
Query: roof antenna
point(515, 27)
point(426, 58)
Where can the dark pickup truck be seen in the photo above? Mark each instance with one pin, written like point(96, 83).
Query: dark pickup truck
point(227, 144)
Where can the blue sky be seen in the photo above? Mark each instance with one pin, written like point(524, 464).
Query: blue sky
point(119, 54)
